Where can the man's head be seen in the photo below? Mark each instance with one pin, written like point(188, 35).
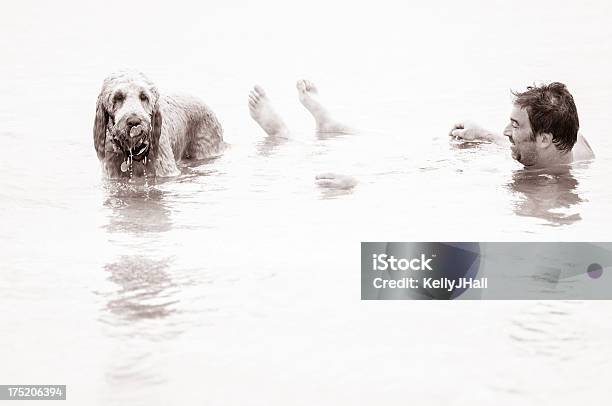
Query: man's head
point(543, 125)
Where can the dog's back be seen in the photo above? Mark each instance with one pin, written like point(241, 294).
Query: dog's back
point(191, 126)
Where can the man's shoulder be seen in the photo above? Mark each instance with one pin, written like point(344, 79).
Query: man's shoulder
point(582, 150)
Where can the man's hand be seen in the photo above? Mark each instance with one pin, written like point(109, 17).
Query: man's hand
point(469, 131)
point(335, 181)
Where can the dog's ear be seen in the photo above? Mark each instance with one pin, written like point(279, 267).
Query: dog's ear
point(99, 130)
point(156, 124)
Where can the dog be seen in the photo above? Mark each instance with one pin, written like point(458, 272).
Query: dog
point(139, 132)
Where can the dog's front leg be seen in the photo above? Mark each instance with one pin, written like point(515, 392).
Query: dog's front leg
point(164, 162)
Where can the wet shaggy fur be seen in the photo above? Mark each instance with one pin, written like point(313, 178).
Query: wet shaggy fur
point(178, 126)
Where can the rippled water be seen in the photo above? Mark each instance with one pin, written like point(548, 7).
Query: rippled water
point(238, 282)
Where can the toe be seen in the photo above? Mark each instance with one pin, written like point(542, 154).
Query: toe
point(301, 85)
point(310, 86)
point(259, 91)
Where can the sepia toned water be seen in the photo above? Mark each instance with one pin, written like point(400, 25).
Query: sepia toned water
point(238, 282)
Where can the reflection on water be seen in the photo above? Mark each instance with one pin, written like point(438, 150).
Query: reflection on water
point(268, 145)
point(547, 329)
point(145, 288)
point(328, 193)
point(137, 217)
point(323, 136)
point(550, 194)
point(138, 315)
point(547, 195)
point(136, 208)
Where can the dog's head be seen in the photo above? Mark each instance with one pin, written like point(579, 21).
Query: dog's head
point(127, 115)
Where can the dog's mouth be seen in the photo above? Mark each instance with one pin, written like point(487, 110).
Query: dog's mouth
point(134, 143)
point(139, 152)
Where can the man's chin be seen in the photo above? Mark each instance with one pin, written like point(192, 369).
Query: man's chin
point(527, 164)
point(516, 155)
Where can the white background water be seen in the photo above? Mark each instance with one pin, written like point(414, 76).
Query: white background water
point(238, 283)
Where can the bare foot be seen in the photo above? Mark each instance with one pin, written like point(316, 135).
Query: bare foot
point(261, 110)
point(309, 97)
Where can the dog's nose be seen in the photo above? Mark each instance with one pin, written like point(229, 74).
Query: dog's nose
point(133, 121)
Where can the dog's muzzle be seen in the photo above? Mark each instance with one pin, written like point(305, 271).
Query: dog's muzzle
point(138, 142)
point(133, 142)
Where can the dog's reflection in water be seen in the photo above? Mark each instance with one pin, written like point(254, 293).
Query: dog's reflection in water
point(550, 196)
point(141, 308)
point(145, 288)
point(136, 208)
point(138, 212)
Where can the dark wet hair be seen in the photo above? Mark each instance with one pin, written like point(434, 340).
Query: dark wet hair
point(551, 109)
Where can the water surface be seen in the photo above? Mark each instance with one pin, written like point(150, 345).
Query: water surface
point(238, 282)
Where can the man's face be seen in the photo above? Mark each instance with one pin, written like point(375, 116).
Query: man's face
point(520, 135)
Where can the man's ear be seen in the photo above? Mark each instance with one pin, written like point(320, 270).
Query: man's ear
point(544, 140)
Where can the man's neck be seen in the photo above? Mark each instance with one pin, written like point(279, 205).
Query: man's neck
point(553, 158)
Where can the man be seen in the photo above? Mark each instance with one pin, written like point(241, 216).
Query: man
point(543, 128)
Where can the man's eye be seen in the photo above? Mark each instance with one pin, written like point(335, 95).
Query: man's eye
point(144, 97)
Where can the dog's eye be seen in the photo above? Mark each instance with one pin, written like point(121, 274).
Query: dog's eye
point(118, 97)
point(144, 97)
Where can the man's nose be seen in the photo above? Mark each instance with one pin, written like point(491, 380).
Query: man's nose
point(508, 130)
point(133, 121)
